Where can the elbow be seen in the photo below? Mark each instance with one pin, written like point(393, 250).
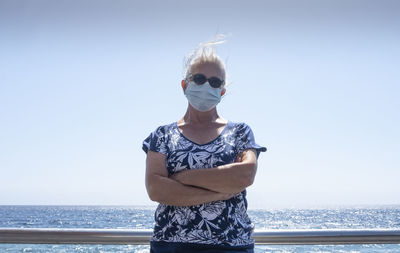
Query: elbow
point(158, 197)
point(247, 181)
point(249, 175)
point(153, 191)
point(155, 195)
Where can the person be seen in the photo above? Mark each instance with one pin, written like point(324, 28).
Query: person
point(198, 168)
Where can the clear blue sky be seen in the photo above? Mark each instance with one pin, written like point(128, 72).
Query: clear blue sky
point(82, 83)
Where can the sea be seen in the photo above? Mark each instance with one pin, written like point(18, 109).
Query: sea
point(141, 217)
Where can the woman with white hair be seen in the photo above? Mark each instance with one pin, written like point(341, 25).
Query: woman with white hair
point(198, 168)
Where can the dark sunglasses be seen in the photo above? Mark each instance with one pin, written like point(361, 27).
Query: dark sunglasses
point(200, 79)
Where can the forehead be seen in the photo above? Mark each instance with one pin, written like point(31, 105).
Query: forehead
point(209, 69)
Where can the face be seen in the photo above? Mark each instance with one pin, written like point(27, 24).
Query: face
point(208, 69)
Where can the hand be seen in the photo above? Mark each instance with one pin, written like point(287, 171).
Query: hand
point(243, 155)
point(239, 158)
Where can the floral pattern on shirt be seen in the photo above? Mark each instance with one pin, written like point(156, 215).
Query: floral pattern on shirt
point(223, 222)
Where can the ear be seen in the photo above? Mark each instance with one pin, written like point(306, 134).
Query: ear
point(223, 92)
point(183, 84)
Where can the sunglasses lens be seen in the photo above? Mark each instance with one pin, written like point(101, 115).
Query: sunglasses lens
point(199, 78)
point(215, 82)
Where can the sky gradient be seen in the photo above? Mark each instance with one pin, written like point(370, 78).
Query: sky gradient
point(83, 83)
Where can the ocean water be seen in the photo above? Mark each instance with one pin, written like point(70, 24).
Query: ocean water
point(142, 218)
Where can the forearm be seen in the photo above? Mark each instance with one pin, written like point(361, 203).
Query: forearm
point(229, 178)
point(171, 192)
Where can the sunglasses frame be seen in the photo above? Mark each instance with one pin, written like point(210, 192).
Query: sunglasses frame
point(210, 80)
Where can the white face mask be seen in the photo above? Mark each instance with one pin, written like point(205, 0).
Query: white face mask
point(202, 97)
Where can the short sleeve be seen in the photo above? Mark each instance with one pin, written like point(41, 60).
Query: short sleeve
point(245, 140)
point(156, 141)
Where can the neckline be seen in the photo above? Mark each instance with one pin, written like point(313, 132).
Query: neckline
point(183, 136)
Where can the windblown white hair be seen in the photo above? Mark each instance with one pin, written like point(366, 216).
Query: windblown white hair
point(205, 52)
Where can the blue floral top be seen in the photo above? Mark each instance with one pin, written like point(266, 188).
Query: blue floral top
point(223, 222)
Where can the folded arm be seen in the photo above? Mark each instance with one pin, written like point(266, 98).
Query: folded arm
point(229, 178)
point(167, 191)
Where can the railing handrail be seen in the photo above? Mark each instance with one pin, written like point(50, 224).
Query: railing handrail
point(142, 236)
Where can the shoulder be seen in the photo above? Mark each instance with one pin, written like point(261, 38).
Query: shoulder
point(164, 129)
point(245, 138)
point(161, 132)
point(240, 126)
point(242, 131)
point(157, 139)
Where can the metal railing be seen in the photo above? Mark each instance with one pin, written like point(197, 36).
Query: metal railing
point(131, 236)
